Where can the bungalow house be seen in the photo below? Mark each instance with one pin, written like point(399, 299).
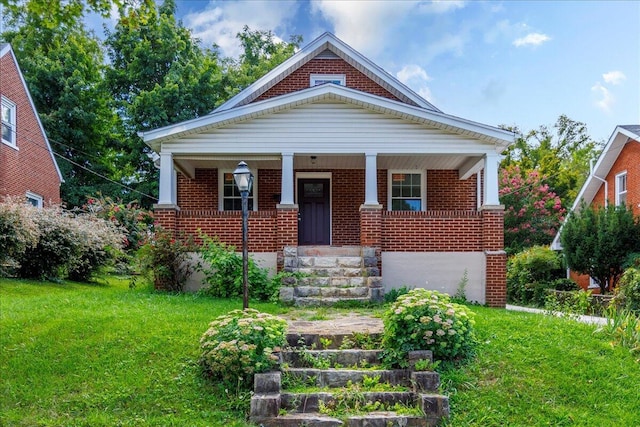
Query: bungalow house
point(615, 179)
point(354, 173)
point(27, 166)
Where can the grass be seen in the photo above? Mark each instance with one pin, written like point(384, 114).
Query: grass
point(102, 354)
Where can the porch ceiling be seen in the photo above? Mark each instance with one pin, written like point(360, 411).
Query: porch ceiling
point(188, 164)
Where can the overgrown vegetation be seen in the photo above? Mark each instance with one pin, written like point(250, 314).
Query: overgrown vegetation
point(427, 320)
point(531, 273)
point(240, 344)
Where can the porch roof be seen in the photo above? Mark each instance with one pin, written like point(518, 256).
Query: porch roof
point(446, 124)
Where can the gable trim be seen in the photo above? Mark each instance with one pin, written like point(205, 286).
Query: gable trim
point(327, 41)
point(6, 49)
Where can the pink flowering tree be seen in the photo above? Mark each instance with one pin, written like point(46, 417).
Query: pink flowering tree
point(533, 213)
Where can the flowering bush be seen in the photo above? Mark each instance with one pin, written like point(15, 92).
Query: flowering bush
point(136, 221)
point(533, 213)
point(627, 294)
point(427, 320)
point(531, 273)
point(240, 344)
point(167, 260)
point(68, 245)
point(18, 230)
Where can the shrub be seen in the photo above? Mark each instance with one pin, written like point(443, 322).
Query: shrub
point(565, 285)
point(394, 294)
point(68, 245)
point(18, 230)
point(627, 295)
point(530, 273)
point(240, 344)
point(223, 273)
point(623, 327)
point(166, 259)
point(427, 320)
point(135, 221)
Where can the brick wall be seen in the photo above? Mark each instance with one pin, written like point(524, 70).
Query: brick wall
point(300, 79)
point(496, 257)
point(445, 191)
point(200, 193)
point(628, 160)
point(31, 167)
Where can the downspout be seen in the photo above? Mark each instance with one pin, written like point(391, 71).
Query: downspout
point(606, 185)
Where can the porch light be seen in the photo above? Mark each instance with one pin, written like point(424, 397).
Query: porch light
point(244, 178)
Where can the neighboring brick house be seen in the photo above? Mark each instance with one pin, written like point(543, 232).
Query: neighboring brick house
point(27, 165)
point(615, 179)
point(344, 155)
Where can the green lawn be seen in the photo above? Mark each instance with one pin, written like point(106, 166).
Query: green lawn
point(102, 355)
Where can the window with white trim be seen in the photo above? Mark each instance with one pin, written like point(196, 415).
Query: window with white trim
point(621, 188)
point(34, 199)
point(230, 198)
point(8, 122)
point(407, 190)
point(319, 79)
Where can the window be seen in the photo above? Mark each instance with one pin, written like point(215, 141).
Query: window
point(319, 79)
point(8, 122)
point(230, 199)
point(34, 199)
point(621, 189)
point(406, 191)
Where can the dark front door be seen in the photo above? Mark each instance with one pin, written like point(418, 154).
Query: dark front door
point(315, 213)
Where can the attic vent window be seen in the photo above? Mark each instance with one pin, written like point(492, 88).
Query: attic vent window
point(336, 79)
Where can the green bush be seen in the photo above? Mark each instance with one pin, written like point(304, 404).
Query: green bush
point(531, 273)
point(18, 230)
point(394, 294)
point(166, 259)
point(565, 285)
point(68, 245)
point(627, 294)
point(223, 273)
point(427, 320)
point(240, 344)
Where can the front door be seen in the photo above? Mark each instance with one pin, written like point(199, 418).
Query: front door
point(315, 212)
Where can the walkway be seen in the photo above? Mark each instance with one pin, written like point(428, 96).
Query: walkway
point(593, 320)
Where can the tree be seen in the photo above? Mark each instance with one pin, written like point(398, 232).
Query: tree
point(63, 67)
point(596, 241)
point(533, 213)
point(158, 75)
point(562, 155)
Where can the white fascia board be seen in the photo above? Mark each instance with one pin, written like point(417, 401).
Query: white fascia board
point(340, 48)
point(501, 138)
point(6, 49)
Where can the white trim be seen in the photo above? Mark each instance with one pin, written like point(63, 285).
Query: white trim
point(423, 186)
point(617, 186)
point(341, 79)
point(254, 189)
point(30, 196)
point(12, 123)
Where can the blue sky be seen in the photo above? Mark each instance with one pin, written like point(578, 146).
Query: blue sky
point(496, 62)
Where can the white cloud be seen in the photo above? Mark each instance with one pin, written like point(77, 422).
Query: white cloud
point(416, 78)
point(363, 25)
point(441, 6)
point(605, 99)
point(614, 77)
point(531, 39)
point(221, 21)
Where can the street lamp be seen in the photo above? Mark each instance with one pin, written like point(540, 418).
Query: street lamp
point(244, 178)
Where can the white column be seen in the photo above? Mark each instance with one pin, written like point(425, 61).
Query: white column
point(286, 195)
point(371, 179)
point(167, 193)
point(491, 162)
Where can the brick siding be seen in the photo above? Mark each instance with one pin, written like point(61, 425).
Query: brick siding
point(300, 79)
point(30, 167)
point(628, 160)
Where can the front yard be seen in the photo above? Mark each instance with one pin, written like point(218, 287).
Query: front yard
point(103, 354)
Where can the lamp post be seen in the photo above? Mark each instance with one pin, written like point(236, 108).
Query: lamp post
point(244, 179)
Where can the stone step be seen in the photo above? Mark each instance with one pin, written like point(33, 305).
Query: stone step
point(310, 402)
point(336, 281)
point(330, 261)
point(346, 358)
point(373, 419)
point(343, 377)
point(326, 301)
point(299, 420)
point(333, 271)
point(312, 340)
point(331, 291)
point(348, 251)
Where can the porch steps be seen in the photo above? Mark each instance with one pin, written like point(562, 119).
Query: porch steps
point(330, 274)
point(339, 396)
